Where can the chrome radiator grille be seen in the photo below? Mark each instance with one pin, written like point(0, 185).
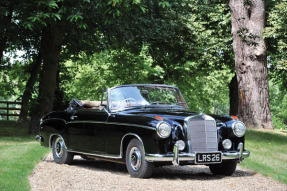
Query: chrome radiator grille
point(202, 133)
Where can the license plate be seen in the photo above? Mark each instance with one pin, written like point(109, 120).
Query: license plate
point(208, 158)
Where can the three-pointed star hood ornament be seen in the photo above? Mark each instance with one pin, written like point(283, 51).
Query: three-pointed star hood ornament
point(203, 115)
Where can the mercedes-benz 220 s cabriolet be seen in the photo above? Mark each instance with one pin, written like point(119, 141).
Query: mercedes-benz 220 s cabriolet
point(144, 126)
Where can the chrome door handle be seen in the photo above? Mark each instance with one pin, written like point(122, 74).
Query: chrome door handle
point(73, 117)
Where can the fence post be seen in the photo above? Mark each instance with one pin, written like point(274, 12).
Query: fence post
point(5, 106)
point(7, 111)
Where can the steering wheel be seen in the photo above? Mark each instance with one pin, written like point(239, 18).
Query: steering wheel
point(124, 101)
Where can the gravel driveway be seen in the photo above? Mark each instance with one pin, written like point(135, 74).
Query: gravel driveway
point(100, 175)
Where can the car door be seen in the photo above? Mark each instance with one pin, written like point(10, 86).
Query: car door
point(87, 130)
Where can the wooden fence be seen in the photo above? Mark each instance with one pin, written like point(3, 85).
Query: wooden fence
point(10, 109)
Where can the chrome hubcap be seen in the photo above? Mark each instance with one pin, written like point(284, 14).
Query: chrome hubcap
point(59, 146)
point(135, 159)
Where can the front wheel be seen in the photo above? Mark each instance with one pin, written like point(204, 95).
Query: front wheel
point(136, 164)
point(60, 154)
point(226, 168)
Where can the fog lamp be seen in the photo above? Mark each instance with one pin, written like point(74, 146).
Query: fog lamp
point(180, 144)
point(226, 143)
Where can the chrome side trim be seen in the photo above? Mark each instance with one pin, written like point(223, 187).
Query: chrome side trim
point(101, 122)
point(129, 124)
point(50, 139)
point(94, 154)
point(129, 134)
point(114, 123)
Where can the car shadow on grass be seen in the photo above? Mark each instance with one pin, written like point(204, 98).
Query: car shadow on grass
point(190, 172)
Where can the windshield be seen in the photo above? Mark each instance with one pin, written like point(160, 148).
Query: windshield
point(133, 96)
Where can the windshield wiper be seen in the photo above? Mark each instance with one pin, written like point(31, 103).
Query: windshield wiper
point(158, 102)
point(131, 107)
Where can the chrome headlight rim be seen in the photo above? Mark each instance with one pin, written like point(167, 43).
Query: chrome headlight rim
point(234, 126)
point(158, 129)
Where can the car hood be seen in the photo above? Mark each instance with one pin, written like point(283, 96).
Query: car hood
point(175, 115)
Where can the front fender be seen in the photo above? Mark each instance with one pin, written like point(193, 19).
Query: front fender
point(52, 126)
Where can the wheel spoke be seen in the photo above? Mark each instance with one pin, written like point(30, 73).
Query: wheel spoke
point(135, 159)
point(59, 146)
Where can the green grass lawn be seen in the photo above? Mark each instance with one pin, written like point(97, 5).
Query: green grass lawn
point(19, 153)
point(268, 153)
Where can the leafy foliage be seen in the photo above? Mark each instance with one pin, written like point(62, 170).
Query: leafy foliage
point(278, 105)
point(275, 35)
point(12, 81)
point(106, 69)
point(186, 43)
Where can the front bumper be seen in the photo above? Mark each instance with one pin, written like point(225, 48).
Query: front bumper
point(176, 157)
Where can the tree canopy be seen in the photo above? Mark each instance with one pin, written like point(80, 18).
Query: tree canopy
point(77, 48)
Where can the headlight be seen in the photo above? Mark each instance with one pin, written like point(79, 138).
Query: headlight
point(163, 129)
point(238, 129)
point(226, 143)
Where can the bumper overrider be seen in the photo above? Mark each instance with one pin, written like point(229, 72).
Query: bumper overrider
point(176, 157)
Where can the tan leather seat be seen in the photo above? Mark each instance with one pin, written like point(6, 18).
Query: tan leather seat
point(92, 104)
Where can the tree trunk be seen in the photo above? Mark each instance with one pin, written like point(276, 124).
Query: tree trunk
point(5, 22)
point(53, 37)
point(248, 22)
point(59, 94)
point(29, 87)
point(233, 96)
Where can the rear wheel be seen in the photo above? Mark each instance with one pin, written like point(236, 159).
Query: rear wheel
point(226, 168)
point(136, 164)
point(60, 154)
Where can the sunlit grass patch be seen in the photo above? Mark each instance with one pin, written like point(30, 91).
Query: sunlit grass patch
point(268, 153)
point(19, 153)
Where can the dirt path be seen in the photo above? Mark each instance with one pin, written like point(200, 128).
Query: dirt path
point(100, 175)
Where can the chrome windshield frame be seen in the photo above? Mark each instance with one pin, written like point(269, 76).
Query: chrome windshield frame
point(109, 103)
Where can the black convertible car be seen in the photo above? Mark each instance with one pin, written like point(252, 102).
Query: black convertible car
point(144, 125)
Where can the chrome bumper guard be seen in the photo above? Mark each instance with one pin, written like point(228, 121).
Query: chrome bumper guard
point(38, 138)
point(176, 157)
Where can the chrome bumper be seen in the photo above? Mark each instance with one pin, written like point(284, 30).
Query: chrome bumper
point(176, 157)
point(38, 138)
